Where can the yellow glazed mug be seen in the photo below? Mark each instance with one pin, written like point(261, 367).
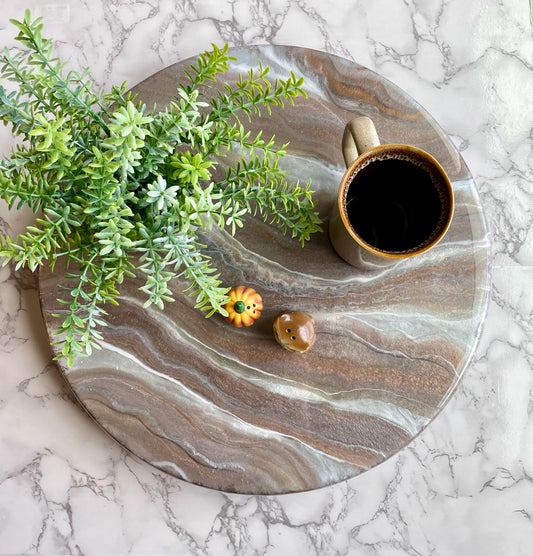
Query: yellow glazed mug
point(395, 201)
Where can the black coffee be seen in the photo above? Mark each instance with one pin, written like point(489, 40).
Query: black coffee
point(393, 204)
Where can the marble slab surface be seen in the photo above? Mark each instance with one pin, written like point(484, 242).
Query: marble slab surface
point(464, 485)
point(227, 408)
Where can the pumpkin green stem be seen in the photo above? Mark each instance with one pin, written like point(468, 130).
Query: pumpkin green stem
point(239, 307)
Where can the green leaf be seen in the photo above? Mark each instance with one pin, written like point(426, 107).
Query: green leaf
point(125, 190)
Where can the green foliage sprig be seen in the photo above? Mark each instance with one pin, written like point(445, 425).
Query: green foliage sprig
point(120, 188)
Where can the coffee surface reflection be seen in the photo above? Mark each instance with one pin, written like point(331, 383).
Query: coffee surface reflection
point(393, 204)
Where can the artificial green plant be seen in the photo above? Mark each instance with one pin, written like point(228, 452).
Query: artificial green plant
point(119, 188)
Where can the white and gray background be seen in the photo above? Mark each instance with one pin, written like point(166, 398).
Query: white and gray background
point(465, 485)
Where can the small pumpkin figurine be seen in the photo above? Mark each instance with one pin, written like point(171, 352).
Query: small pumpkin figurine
point(244, 307)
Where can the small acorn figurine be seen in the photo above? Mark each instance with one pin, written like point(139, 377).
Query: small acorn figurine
point(244, 307)
point(295, 331)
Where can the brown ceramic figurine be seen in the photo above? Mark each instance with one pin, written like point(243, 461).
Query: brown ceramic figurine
point(295, 331)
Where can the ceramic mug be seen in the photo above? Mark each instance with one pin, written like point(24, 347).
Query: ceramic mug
point(395, 201)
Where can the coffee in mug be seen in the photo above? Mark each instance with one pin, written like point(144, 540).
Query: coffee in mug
point(395, 201)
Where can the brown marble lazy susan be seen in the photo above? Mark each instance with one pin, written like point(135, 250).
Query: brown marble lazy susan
point(229, 409)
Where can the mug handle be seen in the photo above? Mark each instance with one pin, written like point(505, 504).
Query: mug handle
point(360, 135)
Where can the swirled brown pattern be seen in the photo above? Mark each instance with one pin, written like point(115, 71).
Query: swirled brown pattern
point(228, 408)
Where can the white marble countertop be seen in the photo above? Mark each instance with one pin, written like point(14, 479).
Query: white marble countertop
point(465, 485)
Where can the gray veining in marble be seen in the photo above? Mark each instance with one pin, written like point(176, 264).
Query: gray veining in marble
point(465, 484)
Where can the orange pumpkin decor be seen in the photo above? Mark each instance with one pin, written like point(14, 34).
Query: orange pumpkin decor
point(244, 307)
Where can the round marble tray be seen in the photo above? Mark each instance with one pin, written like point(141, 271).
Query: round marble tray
point(228, 408)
